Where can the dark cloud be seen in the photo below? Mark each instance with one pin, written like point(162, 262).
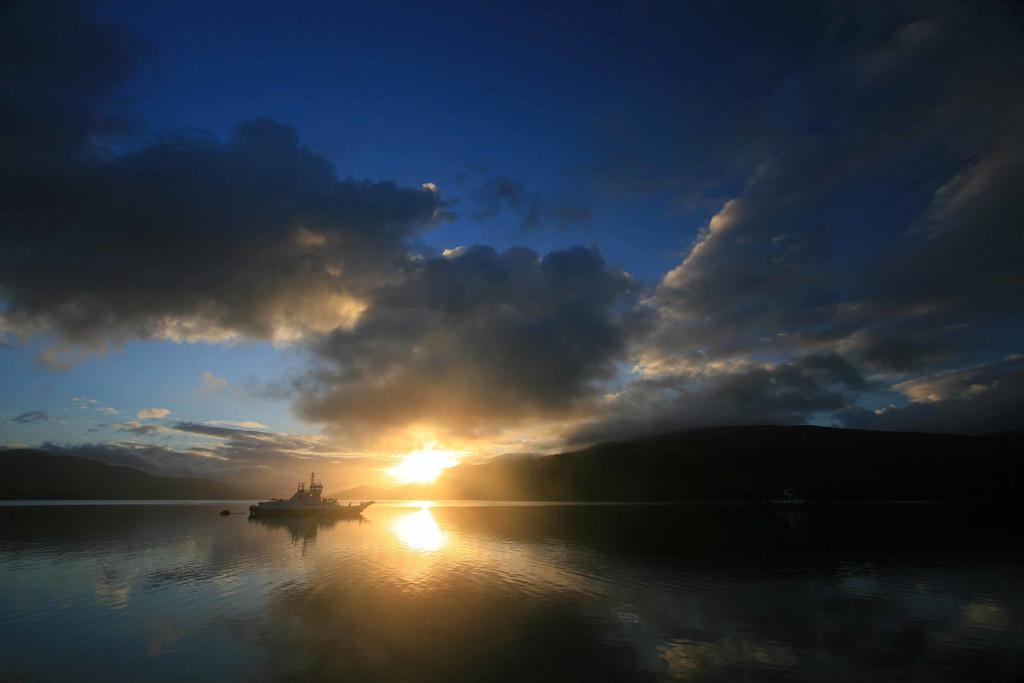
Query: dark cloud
point(138, 428)
point(28, 417)
point(921, 99)
point(185, 238)
point(988, 398)
point(478, 337)
point(898, 351)
point(532, 210)
point(744, 393)
point(497, 193)
point(962, 258)
point(62, 70)
point(254, 445)
point(194, 239)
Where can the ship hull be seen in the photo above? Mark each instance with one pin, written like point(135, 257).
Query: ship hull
point(340, 512)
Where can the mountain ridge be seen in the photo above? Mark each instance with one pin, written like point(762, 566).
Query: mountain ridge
point(744, 464)
point(714, 464)
point(33, 474)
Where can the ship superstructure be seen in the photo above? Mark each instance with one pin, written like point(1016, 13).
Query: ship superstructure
point(308, 502)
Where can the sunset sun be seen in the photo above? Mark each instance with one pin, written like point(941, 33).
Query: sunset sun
point(424, 465)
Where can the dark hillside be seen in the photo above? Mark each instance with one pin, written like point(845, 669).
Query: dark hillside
point(32, 474)
point(755, 463)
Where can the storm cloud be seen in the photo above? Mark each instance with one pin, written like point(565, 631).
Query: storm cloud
point(475, 338)
point(769, 280)
point(186, 238)
point(194, 239)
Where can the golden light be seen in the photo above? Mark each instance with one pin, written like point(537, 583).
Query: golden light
point(419, 531)
point(424, 465)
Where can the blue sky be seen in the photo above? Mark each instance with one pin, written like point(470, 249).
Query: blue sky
point(795, 213)
point(455, 96)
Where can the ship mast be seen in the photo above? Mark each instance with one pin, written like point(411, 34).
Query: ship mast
point(315, 487)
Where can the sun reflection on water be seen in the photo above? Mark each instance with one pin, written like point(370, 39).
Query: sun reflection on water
point(419, 530)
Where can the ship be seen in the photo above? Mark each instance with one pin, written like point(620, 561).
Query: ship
point(789, 497)
point(307, 502)
point(790, 500)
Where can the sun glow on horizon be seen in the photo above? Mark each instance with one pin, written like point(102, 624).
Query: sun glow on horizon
point(424, 465)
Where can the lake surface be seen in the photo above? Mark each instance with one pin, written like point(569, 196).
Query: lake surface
point(505, 592)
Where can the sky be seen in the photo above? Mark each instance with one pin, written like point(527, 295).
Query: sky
point(238, 244)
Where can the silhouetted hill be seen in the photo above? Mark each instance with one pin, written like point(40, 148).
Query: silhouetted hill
point(32, 474)
point(754, 463)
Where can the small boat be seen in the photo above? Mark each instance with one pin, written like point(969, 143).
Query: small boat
point(790, 498)
point(307, 502)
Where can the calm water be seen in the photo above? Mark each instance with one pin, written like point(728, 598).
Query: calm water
point(873, 593)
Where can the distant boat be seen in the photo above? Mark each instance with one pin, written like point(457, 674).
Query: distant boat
point(789, 497)
point(306, 502)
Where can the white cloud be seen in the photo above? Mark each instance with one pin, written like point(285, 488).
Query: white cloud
point(211, 384)
point(86, 403)
point(152, 413)
point(242, 424)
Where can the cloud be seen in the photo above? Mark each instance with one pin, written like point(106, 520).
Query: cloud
point(792, 392)
point(29, 417)
point(244, 444)
point(152, 413)
point(241, 424)
point(211, 384)
point(813, 284)
point(533, 211)
point(214, 430)
point(62, 70)
point(769, 279)
point(978, 399)
point(138, 428)
point(263, 456)
point(766, 251)
point(251, 203)
point(187, 238)
point(474, 340)
point(896, 350)
point(963, 254)
point(84, 403)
